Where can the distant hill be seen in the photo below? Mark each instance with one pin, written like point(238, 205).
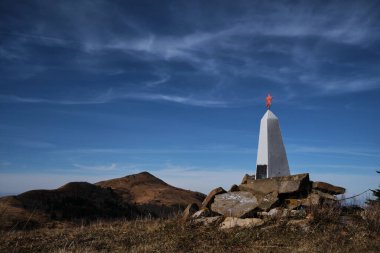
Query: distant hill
point(127, 197)
point(152, 195)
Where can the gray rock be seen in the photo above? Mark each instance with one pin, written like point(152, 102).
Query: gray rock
point(267, 201)
point(279, 212)
point(207, 221)
point(275, 212)
point(235, 204)
point(231, 222)
point(210, 197)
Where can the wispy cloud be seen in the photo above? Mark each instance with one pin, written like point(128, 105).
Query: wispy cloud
point(333, 151)
point(109, 167)
point(111, 96)
point(163, 78)
point(337, 167)
point(175, 150)
point(270, 42)
point(179, 99)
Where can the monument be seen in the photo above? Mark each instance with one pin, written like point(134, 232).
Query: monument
point(271, 193)
point(271, 154)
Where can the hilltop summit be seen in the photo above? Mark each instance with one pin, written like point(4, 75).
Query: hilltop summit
point(129, 197)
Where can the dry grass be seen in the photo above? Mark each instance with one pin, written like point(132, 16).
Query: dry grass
point(327, 233)
point(371, 216)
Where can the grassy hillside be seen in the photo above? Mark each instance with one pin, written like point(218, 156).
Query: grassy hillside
point(328, 231)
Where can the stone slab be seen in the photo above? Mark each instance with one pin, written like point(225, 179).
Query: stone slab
point(328, 188)
point(235, 204)
point(286, 184)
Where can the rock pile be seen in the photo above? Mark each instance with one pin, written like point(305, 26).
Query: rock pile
point(255, 200)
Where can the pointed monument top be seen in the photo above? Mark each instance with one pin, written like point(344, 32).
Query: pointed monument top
point(269, 115)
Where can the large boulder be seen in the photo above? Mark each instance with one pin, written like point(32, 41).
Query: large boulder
point(235, 204)
point(328, 188)
point(210, 197)
point(268, 201)
point(231, 222)
point(283, 185)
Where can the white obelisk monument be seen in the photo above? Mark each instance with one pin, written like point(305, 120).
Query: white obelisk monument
point(271, 154)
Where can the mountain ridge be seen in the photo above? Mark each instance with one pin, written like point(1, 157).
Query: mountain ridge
point(131, 196)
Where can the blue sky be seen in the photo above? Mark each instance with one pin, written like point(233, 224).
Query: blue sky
point(92, 90)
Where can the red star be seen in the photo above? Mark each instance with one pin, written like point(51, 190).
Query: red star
point(269, 101)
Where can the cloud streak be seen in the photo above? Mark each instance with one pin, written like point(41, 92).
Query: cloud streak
point(270, 41)
point(110, 167)
point(111, 96)
point(333, 151)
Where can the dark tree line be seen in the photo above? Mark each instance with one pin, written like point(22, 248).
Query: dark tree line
point(376, 194)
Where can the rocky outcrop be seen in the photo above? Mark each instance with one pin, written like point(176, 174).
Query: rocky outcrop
point(271, 198)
